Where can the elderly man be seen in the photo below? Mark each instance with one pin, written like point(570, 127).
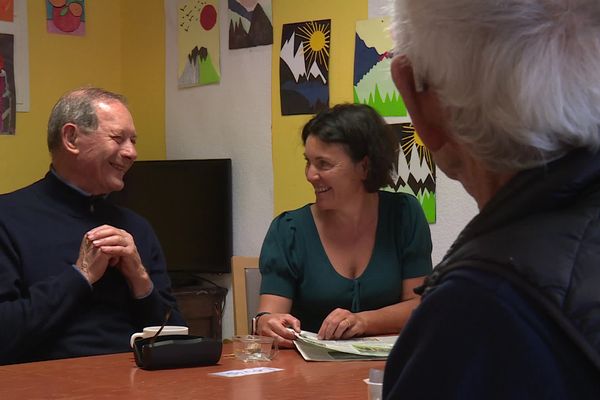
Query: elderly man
point(506, 95)
point(79, 275)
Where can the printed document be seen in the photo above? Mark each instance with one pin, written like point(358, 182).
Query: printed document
point(364, 348)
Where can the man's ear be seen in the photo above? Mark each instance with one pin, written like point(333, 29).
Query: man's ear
point(69, 135)
point(422, 105)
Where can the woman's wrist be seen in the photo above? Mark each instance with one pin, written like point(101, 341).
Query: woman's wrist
point(255, 330)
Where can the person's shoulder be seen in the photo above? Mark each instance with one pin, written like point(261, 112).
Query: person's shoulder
point(398, 198)
point(287, 224)
point(505, 331)
point(475, 303)
point(478, 281)
point(477, 292)
point(293, 217)
point(20, 196)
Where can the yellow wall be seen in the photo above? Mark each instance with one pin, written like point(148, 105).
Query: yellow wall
point(116, 34)
point(290, 187)
point(143, 61)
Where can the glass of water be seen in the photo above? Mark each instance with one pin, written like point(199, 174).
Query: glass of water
point(254, 348)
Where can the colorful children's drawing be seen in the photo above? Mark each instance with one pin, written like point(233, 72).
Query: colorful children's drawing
point(373, 83)
point(414, 169)
point(304, 67)
point(198, 42)
point(250, 23)
point(7, 8)
point(8, 102)
point(66, 17)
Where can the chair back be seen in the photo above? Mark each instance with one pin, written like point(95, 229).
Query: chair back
point(246, 292)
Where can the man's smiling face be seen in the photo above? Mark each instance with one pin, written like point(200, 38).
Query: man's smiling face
point(107, 153)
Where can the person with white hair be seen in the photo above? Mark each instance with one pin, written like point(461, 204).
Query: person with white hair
point(506, 95)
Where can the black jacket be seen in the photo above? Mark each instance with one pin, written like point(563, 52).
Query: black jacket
point(520, 284)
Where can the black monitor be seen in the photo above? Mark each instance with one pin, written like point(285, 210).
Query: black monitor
point(188, 203)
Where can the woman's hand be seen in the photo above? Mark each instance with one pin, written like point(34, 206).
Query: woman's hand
point(342, 324)
point(277, 326)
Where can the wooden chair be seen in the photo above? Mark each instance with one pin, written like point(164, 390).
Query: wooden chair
point(246, 288)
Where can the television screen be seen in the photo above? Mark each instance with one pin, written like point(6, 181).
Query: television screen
point(188, 203)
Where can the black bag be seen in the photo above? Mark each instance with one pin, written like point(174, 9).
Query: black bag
point(176, 351)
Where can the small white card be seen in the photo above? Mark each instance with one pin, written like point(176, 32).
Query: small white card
point(246, 371)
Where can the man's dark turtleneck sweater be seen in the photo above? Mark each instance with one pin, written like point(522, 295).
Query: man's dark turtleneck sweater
point(47, 309)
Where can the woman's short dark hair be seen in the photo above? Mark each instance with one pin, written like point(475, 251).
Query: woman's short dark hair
point(363, 132)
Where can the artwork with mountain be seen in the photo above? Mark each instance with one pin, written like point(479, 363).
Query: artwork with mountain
point(304, 67)
point(198, 43)
point(414, 169)
point(199, 69)
point(373, 83)
point(250, 23)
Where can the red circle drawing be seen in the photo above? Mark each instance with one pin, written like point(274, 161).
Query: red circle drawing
point(208, 17)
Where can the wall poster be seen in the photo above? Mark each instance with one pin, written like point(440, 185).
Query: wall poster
point(8, 102)
point(304, 67)
point(14, 63)
point(66, 17)
point(373, 83)
point(250, 23)
point(414, 169)
point(7, 8)
point(198, 42)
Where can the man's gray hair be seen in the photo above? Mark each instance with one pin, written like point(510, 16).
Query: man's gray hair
point(78, 107)
point(519, 79)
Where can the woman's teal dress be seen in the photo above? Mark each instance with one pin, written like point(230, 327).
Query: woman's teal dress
point(293, 262)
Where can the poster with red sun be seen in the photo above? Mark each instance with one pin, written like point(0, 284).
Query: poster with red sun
point(66, 17)
point(198, 43)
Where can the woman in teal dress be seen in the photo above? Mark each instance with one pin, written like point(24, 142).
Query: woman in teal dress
point(345, 265)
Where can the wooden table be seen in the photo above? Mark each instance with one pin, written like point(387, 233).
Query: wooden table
point(115, 376)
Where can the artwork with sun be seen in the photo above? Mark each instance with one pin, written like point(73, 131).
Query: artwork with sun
point(304, 67)
point(250, 23)
point(372, 60)
point(198, 42)
point(414, 169)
